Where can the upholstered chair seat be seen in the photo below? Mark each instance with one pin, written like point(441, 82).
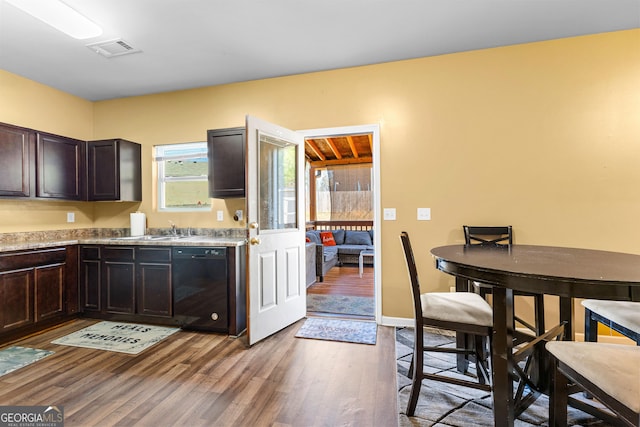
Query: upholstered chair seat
point(609, 372)
point(621, 316)
point(460, 307)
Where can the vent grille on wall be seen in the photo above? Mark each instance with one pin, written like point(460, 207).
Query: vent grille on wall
point(113, 48)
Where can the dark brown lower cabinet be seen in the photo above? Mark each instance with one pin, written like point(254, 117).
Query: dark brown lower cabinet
point(126, 282)
point(49, 291)
point(120, 285)
point(16, 294)
point(90, 279)
point(38, 288)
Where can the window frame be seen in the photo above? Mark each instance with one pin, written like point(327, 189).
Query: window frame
point(161, 157)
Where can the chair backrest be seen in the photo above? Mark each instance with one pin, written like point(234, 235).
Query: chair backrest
point(413, 275)
point(488, 236)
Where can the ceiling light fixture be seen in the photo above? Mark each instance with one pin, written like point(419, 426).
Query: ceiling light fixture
point(59, 16)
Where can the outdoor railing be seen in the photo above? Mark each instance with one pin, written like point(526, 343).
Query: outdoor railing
point(355, 225)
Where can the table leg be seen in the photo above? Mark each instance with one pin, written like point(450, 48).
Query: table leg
point(502, 357)
point(361, 263)
point(566, 315)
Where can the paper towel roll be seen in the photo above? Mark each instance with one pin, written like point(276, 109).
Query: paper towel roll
point(138, 223)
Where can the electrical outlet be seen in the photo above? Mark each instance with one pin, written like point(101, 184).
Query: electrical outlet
point(389, 214)
point(220, 215)
point(71, 217)
point(424, 214)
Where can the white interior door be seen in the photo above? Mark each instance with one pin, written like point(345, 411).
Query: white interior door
point(275, 214)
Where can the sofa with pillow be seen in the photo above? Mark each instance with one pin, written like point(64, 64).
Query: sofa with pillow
point(339, 247)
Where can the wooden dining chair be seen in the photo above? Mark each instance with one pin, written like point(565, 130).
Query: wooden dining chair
point(502, 236)
point(465, 312)
point(608, 372)
point(621, 316)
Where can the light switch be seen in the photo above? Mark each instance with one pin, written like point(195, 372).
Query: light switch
point(220, 215)
point(424, 214)
point(71, 217)
point(389, 214)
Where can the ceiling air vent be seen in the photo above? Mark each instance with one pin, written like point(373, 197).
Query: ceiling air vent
point(113, 48)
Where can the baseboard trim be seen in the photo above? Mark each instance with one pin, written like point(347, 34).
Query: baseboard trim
point(400, 322)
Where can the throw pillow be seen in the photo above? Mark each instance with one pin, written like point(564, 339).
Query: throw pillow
point(357, 238)
point(314, 236)
point(338, 236)
point(327, 238)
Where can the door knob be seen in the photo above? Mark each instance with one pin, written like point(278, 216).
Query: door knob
point(253, 225)
point(254, 241)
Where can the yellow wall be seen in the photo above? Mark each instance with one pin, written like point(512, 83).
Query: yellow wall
point(544, 136)
point(27, 103)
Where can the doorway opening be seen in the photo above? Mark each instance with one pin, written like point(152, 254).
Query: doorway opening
point(342, 183)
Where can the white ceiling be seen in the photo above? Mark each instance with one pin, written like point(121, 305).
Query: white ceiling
point(194, 43)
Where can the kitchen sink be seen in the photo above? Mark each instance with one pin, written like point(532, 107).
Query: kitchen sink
point(150, 237)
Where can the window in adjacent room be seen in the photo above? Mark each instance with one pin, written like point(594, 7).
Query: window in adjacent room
point(182, 177)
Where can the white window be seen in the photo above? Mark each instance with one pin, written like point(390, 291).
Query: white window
point(182, 177)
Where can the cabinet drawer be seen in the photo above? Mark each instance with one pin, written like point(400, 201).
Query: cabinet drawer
point(17, 260)
point(118, 253)
point(160, 254)
point(90, 253)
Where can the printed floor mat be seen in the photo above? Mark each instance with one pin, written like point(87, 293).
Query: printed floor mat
point(13, 358)
point(130, 338)
point(339, 330)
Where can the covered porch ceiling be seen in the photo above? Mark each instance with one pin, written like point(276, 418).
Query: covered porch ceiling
point(339, 150)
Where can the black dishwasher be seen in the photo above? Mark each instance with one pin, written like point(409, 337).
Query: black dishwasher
point(200, 288)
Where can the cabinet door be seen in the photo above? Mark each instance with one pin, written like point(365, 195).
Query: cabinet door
point(154, 286)
point(120, 287)
point(90, 278)
point(154, 289)
point(60, 167)
point(17, 166)
point(103, 170)
point(226, 162)
point(16, 298)
point(49, 291)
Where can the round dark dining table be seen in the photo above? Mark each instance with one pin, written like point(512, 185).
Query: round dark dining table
point(566, 272)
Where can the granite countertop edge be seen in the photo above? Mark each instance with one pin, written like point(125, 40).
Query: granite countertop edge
point(187, 241)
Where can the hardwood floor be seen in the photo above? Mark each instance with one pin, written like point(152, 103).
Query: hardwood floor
point(198, 379)
point(345, 281)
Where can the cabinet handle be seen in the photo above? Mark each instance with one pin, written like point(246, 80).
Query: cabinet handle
point(254, 241)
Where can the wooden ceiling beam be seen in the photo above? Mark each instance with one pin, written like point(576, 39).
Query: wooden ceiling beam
point(315, 149)
point(354, 150)
point(335, 150)
point(325, 163)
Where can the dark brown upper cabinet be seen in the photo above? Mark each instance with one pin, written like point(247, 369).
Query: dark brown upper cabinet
point(17, 165)
point(114, 170)
point(226, 162)
point(60, 167)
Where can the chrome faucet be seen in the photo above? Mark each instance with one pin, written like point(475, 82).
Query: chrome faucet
point(174, 230)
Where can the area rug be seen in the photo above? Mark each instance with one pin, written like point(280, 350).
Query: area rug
point(13, 358)
point(338, 304)
point(127, 338)
point(442, 404)
point(339, 330)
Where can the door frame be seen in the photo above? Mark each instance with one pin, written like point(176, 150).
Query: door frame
point(374, 130)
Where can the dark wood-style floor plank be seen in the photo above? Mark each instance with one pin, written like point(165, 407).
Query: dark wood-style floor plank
point(199, 379)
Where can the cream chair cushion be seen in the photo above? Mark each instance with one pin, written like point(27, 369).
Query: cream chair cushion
point(624, 313)
point(463, 307)
point(615, 368)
